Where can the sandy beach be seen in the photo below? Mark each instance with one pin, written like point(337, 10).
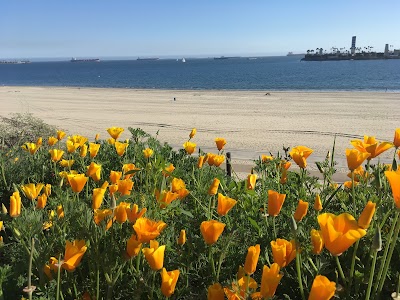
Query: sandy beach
point(252, 122)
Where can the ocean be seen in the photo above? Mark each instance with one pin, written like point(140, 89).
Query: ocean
point(263, 73)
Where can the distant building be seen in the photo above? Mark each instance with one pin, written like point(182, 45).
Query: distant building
point(353, 44)
point(386, 53)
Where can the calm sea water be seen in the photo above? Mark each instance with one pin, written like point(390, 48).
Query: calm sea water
point(267, 73)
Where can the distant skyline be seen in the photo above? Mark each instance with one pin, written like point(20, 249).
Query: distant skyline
point(58, 29)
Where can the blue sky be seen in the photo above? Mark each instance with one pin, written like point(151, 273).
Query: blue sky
point(89, 28)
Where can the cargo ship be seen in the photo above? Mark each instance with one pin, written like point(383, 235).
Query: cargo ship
point(85, 60)
point(147, 58)
point(14, 62)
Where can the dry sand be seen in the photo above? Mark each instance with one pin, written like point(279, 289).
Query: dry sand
point(252, 122)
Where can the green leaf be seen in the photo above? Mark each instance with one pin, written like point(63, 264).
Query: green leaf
point(254, 224)
point(187, 213)
point(394, 165)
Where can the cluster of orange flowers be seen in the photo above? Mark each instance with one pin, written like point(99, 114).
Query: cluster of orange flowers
point(336, 233)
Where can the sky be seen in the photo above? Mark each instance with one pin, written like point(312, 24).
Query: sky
point(159, 28)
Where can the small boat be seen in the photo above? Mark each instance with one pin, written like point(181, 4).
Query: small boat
point(183, 60)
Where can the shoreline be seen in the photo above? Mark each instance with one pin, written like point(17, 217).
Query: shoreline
point(252, 122)
point(207, 90)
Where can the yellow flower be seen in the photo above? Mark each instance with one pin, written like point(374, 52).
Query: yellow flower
point(396, 139)
point(182, 238)
point(251, 181)
point(113, 188)
point(218, 160)
point(32, 190)
point(300, 155)
point(168, 282)
point(15, 205)
point(148, 152)
point(225, 204)
point(166, 197)
point(71, 146)
point(134, 213)
point(94, 171)
point(283, 251)
point(56, 154)
point(317, 241)
point(220, 142)
point(60, 134)
point(215, 292)
point(348, 184)
point(301, 210)
point(93, 149)
point(100, 214)
point(192, 133)
point(318, 203)
point(60, 211)
point(214, 187)
point(47, 189)
point(168, 170)
point(115, 176)
point(210, 158)
point(98, 195)
point(275, 202)
point(120, 212)
point(30, 147)
point(111, 141)
point(372, 146)
point(394, 180)
point(52, 141)
point(78, 139)
point(73, 254)
point(39, 141)
point(200, 162)
point(42, 200)
point(125, 186)
point(97, 137)
point(189, 147)
point(366, 216)
point(266, 158)
point(211, 230)
point(179, 187)
point(339, 232)
point(250, 264)
point(147, 229)
point(154, 255)
point(77, 182)
point(129, 167)
point(67, 163)
point(270, 280)
point(115, 132)
point(83, 151)
point(133, 246)
point(355, 158)
point(120, 147)
point(322, 288)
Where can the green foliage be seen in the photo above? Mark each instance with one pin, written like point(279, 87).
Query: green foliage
point(107, 271)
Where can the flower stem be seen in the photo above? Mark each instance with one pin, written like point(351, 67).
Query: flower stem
point(385, 253)
point(299, 279)
point(273, 226)
point(389, 258)
point(340, 270)
point(353, 263)
point(58, 277)
point(353, 193)
point(211, 261)
point(371, 276)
